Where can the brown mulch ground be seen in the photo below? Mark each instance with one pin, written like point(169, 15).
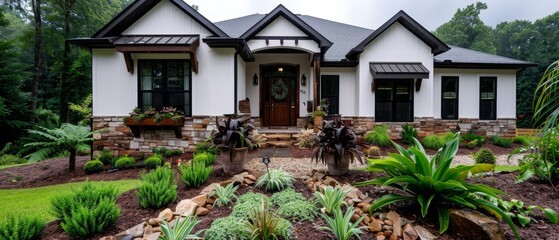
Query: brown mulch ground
point(55, 171)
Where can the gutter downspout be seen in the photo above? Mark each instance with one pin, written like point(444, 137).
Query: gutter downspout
point(235, 81)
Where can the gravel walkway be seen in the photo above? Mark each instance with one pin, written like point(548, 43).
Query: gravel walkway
point(302, 167)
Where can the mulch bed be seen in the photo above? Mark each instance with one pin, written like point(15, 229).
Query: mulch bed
point(55, 171)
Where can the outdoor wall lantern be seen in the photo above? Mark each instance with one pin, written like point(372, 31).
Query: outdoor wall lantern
point(266, 161)
point(303, 80)
point(255, 79)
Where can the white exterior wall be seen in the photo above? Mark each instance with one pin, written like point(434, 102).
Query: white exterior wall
point(242, 85)
point(253, 91)
point(396, 44)
point(281, 27)
point(468, 87)
point(115, 90)
point(348, 82)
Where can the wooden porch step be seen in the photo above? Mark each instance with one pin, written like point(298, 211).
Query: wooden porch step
point(278, 144)
point(278, 137)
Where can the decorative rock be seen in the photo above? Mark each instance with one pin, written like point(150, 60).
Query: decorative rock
point(386, 227)
point(202, 211)
point(156, 229)
point(200, 200)
point(154, 236)
point(397, 227)
point(409, 233)
point(155, 221)
point(366, 208)
point(136, 231)
point(387, 233)
point(166, 214)
point(424, 234)
point(186, 207)
point(475, 225)
point(392, 216)
point(107, 238)
point(209, 188)
point(394, 236)
point(388, 222)
point(381, 237)
point(375, 226)
point(227, 182)
point(249, 181)
point(209, 206)
point(367, 220)
point(330, 181)
point(353, 194)
point(238, 179)
point(126, 237)
point(251, 177)
point(368, 199)
point(361, 204)
point(355, 217)
point(148, 231)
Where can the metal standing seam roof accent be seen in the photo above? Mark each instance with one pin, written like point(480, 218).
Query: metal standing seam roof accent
point(157, 40)
point(396, 70)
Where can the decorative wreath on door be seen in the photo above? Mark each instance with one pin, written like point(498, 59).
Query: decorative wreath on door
point(279, 90)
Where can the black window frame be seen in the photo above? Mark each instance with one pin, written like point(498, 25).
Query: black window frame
point(485, 103)
point(166, 92)
point(394, 110)
point(454, 102)
point(334, 96)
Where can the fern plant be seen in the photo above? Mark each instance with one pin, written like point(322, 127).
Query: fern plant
point(379, 136)
point(21, 227)
point(195, 173)
point(158, 188)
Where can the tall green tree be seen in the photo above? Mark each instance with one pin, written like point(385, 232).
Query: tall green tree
point(466, 30)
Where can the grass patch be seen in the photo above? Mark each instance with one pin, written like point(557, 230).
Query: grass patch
point(36, 201)
point(506, 168)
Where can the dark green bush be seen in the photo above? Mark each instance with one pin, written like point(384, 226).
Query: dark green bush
point(205, 157)
point(125, 162)
point(153, 161)
point(195, 173)
point(379, 136)
point(408, 133)
point(93, 166)
point(106, 157)
point(158, 188)
point(502, 142)
point(86, 211)
point(485, 155)
point(21, 227)
point(206, 146)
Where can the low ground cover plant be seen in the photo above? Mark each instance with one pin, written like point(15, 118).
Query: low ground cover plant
point(286, 196)
point(195, 173)
point(501, 142)
point(158, 188)
point(275, 180)
point(378, 136)
point(433, 183)
point(21, 227)
point(228, 228)
point(87, 211)
point(293, 205)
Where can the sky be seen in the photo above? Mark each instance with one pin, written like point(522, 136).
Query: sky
point(373, 13)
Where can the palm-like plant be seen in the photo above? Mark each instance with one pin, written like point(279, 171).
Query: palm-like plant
point(432, 182)
point(68, 137)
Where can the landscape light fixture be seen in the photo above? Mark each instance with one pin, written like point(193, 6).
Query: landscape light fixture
point(255, 79)
point(303, 80)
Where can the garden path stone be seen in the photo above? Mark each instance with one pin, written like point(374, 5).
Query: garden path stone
point(475, 225)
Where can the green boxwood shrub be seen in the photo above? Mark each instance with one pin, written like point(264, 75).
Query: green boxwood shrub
point(485, 155)
point(86, 211)
point(93, 166)
point(205, 157)
point(21, 227)
point(228, 228)
point(379, 136)
point(158, 188)
point(125, 162)
point(195, 173)
point(154, 161)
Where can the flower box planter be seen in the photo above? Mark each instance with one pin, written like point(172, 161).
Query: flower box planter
point(166, 123)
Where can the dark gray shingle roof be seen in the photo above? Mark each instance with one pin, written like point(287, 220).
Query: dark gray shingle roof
point(463, 55)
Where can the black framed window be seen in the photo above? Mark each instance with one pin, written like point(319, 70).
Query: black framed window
point(487, 98)
point(164, 83)
point(449, 95)
point(330, 89)
point(394, 100)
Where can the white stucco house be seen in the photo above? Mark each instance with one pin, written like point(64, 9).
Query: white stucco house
point(164, 53)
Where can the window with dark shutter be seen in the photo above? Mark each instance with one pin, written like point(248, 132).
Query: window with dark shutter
point(449, 95)
point(487, 98)
point(394, 100)
point(330, 90)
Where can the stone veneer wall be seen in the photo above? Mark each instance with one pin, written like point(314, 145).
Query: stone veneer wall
point(118, 138)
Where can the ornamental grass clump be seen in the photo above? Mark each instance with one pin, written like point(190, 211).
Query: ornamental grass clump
point(275, 180)
point(433, 183)
point(436, 142)
point(379, 136)
point(224, 195)
point(86, 211)
point(340, 225)
point(181, 230)
point(158, 188)
point(408, 133)
point(195, 173)
point(265, 224)
point(21, 227)
point(205, 157)
point(501, 142)
point(332, 198)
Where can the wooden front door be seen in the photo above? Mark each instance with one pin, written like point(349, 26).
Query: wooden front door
point(280, 96)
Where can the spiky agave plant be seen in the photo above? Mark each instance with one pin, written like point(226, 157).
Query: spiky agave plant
point(432, 183)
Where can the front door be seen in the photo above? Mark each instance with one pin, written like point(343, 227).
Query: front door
point(280, 95)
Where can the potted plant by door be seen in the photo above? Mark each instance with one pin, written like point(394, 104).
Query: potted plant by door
point(234, 139)
point(318, 118)
point(337, 147)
